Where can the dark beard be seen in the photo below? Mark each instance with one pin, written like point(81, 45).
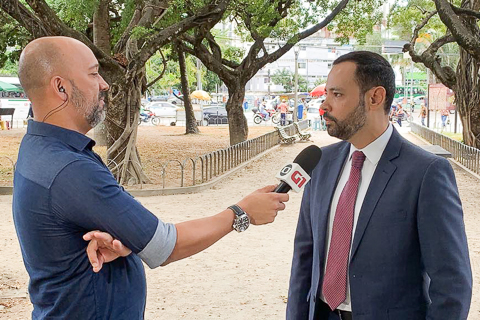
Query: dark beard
point(354, 121)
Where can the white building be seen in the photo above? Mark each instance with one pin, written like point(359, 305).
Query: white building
point(315, 57)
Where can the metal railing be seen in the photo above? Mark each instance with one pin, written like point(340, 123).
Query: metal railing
point(203, 168)
point(208, 166)
point(465, 155)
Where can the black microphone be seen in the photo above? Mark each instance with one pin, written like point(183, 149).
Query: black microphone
point(295, 175)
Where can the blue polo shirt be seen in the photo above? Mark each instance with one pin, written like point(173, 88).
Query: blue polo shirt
point(62, 190)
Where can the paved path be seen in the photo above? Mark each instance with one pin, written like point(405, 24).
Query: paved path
point(243, 276)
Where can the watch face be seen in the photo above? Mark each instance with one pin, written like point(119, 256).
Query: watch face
point(241, 223)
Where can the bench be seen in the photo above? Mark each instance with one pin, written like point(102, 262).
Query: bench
point(284, 137)
point(302, 134)
point(436, 149)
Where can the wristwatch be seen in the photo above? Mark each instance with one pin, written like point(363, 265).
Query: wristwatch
point(242, 221)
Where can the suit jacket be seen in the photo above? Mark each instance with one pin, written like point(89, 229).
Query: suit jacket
point(409, 258)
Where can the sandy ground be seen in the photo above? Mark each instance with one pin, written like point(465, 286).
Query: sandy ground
point(244, 276)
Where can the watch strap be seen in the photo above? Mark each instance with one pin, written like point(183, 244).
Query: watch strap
point(237, 210)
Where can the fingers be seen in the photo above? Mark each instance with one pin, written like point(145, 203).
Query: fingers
point(281, 206)
point(92, 253)
point(120, 249)
point(89, 235)
point(267, 189)
point(282, 197)
point(101, 260)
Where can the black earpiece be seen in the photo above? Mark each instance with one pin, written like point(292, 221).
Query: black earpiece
point(61, 89)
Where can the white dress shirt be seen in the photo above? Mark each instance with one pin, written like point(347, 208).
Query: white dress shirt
point(373, 152)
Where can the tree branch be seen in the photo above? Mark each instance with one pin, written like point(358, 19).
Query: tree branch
point(206, 15)
point(421, 25)
point(216, 51)
point(202, 53)
point(122, 42)
point(25, 18)
point(430, 59)
point(464, 11)
point(462, 34)
point(46, 23)
point(164, 62)
point(262, 61)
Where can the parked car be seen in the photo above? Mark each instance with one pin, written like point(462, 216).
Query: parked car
point(163, 109)
point(316, 103)
point(419, 100)
point(163, 97)
point(312, 114)
point(214, 115)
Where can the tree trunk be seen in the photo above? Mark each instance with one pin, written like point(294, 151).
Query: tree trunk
point(237, 123)
point(467, 97)
point(101, 38)
point(122, 119)
point(467, 88)
point(190, 122)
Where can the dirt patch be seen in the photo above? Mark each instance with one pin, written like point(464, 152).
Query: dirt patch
point(156, 144)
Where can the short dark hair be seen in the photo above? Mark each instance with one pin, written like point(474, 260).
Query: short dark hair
point(372, 70)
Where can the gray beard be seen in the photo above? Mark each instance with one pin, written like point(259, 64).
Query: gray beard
point(91, 111)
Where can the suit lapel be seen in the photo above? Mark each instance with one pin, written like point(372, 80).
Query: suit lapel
point(327, 188)
point(381, 176)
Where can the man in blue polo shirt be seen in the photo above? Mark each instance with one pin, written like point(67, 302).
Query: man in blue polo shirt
point(62, 190)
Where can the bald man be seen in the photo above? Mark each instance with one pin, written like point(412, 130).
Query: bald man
point(62, 190)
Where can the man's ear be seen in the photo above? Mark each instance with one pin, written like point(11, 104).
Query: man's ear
point(376, 98)
point(57, 85)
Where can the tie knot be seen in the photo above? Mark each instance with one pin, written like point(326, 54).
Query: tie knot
point(357, 159)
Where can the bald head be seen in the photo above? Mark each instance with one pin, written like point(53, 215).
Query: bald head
point(43, 59)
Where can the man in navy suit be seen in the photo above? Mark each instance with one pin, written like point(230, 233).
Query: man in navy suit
point(380, 233)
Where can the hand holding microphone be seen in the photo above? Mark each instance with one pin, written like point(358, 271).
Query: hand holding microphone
point(296, 175)
point(262, 205)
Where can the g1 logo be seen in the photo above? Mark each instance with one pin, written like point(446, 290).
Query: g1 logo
point(298, 179)
point(286, 170)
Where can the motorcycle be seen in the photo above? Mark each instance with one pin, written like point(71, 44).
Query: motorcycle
point(258, 117)
point(147, 116)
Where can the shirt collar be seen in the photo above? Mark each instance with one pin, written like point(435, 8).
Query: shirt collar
point(73, 138)
point(373, 152)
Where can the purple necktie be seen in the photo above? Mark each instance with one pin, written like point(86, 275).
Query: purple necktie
point(335, 280)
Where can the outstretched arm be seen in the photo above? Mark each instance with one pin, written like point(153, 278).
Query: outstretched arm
point(195, 235)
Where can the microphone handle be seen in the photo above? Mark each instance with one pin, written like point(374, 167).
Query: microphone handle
point(282, 187)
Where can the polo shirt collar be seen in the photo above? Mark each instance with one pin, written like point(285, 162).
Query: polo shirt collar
point(74, 139)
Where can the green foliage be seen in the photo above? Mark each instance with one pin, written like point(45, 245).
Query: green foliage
point(77, 14)
point(210, 81)
point(406, 14)
point(141, 32)
point(404, 17)
point(9, 69)
point(171, 77)
point(320, 81)
point(12, 39)
point(286, 78)
point(373, 42)
point(357, 20)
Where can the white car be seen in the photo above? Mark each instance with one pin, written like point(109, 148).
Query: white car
point(316, 103)
point(312, 114)
point(419, 100)
point(163, 109)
